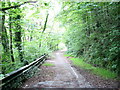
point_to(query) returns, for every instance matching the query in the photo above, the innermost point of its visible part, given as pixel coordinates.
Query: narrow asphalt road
(63, 75)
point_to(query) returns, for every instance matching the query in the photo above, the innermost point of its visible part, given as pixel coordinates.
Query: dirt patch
(45, 73)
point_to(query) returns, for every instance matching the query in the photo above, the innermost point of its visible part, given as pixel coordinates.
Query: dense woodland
(24, 34)
(91, 32)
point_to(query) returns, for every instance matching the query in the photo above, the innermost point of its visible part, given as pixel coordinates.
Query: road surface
(60, 75)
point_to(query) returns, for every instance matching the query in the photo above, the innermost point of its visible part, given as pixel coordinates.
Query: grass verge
(48, 64)
(96, 70)
(67, 55)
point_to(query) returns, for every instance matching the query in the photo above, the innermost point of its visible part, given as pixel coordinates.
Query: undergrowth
(96, 70)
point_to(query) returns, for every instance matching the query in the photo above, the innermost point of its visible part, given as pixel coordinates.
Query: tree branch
(6, 8)
(45, 23)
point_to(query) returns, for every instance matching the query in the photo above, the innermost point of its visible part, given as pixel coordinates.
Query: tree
(23, 32)
(16, 6)
(10, 31)
(18, 33)
(4, 37)
(93, 28)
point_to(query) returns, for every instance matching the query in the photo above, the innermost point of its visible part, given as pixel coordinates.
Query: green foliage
(1, 76)
(92, 31)
(48, 64)
(28, 41)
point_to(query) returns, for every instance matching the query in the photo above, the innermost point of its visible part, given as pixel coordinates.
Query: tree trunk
(4, 37)
(44, 28)
(18, 35)
(19, 42)
(10, 31)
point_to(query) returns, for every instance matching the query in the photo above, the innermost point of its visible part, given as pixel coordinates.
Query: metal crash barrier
(16, 78)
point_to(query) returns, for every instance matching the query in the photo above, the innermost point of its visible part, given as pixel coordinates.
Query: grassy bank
(48, 64)
(96, 70)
